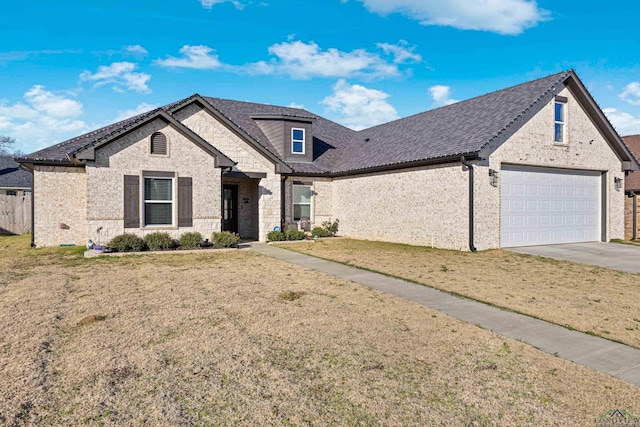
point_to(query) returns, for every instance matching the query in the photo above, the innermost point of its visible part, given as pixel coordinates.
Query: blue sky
(69, 67)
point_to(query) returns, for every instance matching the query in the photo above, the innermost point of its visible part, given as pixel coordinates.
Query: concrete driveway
(610, 255)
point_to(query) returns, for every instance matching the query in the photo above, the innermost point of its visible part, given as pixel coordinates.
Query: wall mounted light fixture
(618, 183)
(493, 177)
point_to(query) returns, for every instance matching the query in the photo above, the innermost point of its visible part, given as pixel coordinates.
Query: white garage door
(546, 206)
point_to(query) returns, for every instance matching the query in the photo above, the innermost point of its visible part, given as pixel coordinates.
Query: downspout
(283, 205)
(472, 248)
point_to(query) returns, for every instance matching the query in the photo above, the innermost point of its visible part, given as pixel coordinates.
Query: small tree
(6, 145)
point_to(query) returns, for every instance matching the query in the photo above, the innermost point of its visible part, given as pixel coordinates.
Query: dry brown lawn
(235, 338)
(590, 299)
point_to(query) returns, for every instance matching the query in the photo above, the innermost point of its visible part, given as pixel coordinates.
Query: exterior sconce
(493, 177)
(618, 183)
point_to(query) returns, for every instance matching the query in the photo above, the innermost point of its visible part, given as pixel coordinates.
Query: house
(632, 190)
(537, 163)
(13, 180)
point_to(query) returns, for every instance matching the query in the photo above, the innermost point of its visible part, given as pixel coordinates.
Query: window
(158, 201)
(297, 141)
(559, 120)
(159, 144)
(301, 202)
(12, 193)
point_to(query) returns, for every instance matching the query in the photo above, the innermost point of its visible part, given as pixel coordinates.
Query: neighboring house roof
(11, 176)
(632, 182)
(472, 128)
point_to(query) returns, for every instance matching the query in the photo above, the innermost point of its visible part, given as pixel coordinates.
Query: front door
(230, 208)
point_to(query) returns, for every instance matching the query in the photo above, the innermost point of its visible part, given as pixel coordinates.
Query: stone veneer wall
(248, 159)
(533, 145)
(421, 206)
(130, 155)
(60, 195)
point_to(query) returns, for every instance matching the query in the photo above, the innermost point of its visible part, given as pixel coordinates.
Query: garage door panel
(546, 206)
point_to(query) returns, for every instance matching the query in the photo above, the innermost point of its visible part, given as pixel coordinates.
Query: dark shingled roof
(463, 128)
(11, 176)
(632, 182)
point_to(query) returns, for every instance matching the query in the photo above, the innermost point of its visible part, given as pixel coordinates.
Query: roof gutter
(469, 166)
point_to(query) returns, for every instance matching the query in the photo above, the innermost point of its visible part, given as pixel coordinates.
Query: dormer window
(559, 120)
(297, 141)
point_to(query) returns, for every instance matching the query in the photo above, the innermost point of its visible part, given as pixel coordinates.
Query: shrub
(224, 239)
(319, 232)
(126, 242)
(331, 227)
(294, 235)
(159, 240)
(192, 239)
(276, 236)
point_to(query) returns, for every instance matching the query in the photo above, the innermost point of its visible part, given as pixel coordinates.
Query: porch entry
(230, 208)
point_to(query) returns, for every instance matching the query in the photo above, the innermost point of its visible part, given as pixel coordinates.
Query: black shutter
(185, 202)
(131, 201)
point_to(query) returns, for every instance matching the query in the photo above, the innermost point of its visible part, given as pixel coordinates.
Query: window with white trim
(301, 202)
(559, 122)
(158, 201)
(297, 141)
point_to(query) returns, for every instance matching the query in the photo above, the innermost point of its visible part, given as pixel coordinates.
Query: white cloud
(44, 101)
(623, 122)
(43, 119)
(631, 93)
(402, 53)
(198, 57)
(120, 76)
(208, 4)
(441, 95)
(359, 107)
(303, 61)
(295, 105)
(498, 16)
(136, 49)
(141, 108)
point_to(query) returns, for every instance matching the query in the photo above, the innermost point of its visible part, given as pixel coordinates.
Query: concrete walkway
(609, 255)
(615, 359)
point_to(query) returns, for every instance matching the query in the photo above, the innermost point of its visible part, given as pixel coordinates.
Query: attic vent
(159, 143)
(367, 140)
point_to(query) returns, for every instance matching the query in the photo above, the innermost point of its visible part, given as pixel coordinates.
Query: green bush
(295, 235)
(331, 227)
(159, 240)
(319, 232)
(126, 242)
(276, 236)
(224, 239)
(192, 239)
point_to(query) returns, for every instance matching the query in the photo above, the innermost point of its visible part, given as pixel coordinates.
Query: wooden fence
(15, 214)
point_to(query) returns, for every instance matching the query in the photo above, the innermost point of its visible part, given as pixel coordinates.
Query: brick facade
(421, 205)
(628, 217)
(130, 155)
(248, 159)
(60, 205)
(533, 145)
